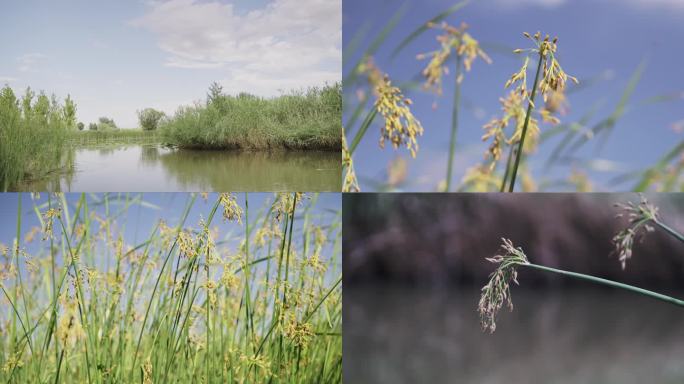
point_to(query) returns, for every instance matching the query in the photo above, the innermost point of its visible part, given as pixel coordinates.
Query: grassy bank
(123, 136)
(299, 120)
(33, 131)
(229, 291)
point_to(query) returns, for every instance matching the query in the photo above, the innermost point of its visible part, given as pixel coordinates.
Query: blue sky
(115, 57)
(137, 223)
(602, 39)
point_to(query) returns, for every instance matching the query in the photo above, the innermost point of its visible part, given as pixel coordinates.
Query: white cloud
(667, 4)
(29, 61)
(287, 43)
(7, 79)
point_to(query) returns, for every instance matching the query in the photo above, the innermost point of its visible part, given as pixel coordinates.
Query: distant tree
(80, 126)
(69, 112)
(106, 124)
(92, 127)
(149, 118)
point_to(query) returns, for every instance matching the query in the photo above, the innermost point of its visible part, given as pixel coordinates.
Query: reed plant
(530, 118)
(258, 303)
(299, 120)
(33, 132)
(642, 217)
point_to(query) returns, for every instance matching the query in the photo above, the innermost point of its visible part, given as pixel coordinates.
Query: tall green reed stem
(530, 107)
(454, 121)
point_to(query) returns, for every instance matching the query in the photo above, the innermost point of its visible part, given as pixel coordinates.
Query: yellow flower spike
(401, 127)
(231, 209)
(350, 184)
(453, 40)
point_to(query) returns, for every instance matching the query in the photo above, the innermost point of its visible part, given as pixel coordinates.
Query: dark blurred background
(414, 265)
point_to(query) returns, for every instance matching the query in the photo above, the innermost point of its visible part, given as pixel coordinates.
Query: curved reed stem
(610, 283)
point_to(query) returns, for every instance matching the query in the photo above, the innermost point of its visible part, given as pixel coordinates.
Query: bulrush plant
(454, 41)
(519, 105)
(642, 216)
(247, 295)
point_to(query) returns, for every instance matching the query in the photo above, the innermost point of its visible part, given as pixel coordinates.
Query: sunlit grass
(259, 303)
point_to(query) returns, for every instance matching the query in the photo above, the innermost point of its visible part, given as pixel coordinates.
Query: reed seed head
(453, 40)
(401, 127)
(350, 184)
(231, 209)
(640, 216)
(497, 292)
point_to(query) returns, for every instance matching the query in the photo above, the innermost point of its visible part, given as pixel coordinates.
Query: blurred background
(631, 90)
(414, 265)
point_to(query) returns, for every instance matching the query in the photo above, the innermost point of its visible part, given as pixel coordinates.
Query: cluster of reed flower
(454, 40)
(641, 216)
(497, 291)
(255, 298)
(550, 80)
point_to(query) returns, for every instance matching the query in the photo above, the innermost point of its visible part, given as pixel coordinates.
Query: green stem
(669, 230)
(508, 169)
(610, 283)
(362, 131)
(454, 121)
(530, 106)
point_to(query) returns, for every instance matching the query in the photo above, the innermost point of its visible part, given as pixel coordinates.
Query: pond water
(144, 168)
(397, 335)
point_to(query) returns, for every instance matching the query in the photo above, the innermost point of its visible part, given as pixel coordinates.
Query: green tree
(149, 118)
(106, 124)
(92, 127)
(80, 126)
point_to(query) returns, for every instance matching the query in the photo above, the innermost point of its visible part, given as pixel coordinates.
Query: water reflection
(592, 336)
(155, 168)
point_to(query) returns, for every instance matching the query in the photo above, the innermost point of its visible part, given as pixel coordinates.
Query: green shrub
(149, 119)
(80, 126)
(300, 120)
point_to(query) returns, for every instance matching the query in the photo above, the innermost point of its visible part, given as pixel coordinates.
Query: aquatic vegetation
(300, 120)
(33, 132)
(466, 49)
(252, 297)
(535, 115)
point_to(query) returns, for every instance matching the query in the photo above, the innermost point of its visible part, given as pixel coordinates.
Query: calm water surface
(589, 336)
(154, 168)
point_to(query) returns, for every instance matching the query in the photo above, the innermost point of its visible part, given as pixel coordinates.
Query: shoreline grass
(300, 120)
(183, 303)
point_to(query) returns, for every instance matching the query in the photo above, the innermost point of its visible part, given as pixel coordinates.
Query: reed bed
(123, 136)
(33, 132)
(300, 120)
(245, 294)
